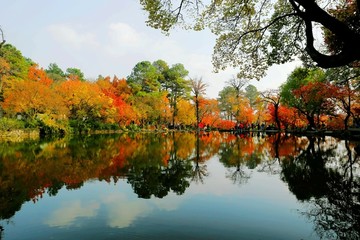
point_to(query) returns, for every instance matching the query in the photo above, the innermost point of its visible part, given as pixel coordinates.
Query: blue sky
(109, 37)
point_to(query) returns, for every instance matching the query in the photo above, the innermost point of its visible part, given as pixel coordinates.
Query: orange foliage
(86, 100)
(33, 96)
(119, 91)
(225, 124)
(209, 112)
(39, 75)
(186, 113)
(288, 117)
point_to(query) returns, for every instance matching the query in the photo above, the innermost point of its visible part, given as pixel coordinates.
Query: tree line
(157, 96)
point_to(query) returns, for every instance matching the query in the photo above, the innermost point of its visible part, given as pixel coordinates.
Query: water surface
(180, 186)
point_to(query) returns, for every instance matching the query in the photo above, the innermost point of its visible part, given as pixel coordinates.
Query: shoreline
(18, 135)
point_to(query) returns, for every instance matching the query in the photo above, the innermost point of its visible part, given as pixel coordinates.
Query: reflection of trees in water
(152, 176)
(234, 156)
(239, 176)
(270, 166)
(328, 179)
(316, 171)
(280, 146)
(199, 169)
(158, 181)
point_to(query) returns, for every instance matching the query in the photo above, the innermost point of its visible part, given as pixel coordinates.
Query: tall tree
(162, 68)
(144, 78)
(252, 94)
(253, 35)
(226, 101)
(273, 97)
(198, 88)
(237, 84)
(177, 86)
(86, 102)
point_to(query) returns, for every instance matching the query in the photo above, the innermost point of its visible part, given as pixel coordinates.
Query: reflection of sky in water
(68, 212)
(262, 208)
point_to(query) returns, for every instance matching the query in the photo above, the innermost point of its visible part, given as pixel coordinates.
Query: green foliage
(19, 65)
(252, 94)
(55, 72)
(7, 124)
(75, 72)
(226, 101)
(253, 35)
(162, 67)
(133, 127)
(159, 18)
(50, 126)
(144, 77)
(298, 78)
(81, 126)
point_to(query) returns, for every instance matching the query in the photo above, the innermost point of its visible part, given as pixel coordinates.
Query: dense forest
(156, 96)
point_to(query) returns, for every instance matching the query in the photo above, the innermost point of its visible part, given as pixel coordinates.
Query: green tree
(75, 73)
(177, 86)
(150, 107)
(226, 101)
(162, 68)
(298, 78)
(253, 35)
(144, 77)
(252, 94)
(19, 65)
(56, 73)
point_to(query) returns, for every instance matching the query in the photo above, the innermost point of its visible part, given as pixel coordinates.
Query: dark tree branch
(313, 13)
(2, 38)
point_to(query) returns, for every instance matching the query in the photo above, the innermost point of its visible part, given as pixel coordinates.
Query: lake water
(180, 186)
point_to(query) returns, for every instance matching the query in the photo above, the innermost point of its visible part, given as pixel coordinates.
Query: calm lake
(180, 186)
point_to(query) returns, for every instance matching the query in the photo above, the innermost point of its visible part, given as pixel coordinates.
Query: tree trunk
(276, 106)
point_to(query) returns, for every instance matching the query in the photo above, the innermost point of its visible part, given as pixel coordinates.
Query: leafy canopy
(253, 35)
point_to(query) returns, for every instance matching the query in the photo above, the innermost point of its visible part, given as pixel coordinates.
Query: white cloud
(67, 214)
(70, 36)
(169, 203)
(123, 34)
(123, 211)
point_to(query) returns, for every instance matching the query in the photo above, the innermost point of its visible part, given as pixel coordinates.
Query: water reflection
(326, 175)
(323, 173)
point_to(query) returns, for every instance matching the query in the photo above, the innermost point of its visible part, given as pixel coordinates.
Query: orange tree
(119, 92)
(314, 100)
(35, 99)
(88, 105)
(209, 112)
(186, 113)
(272, 97)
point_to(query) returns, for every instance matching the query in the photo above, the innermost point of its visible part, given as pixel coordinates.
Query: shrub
(7, 124)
